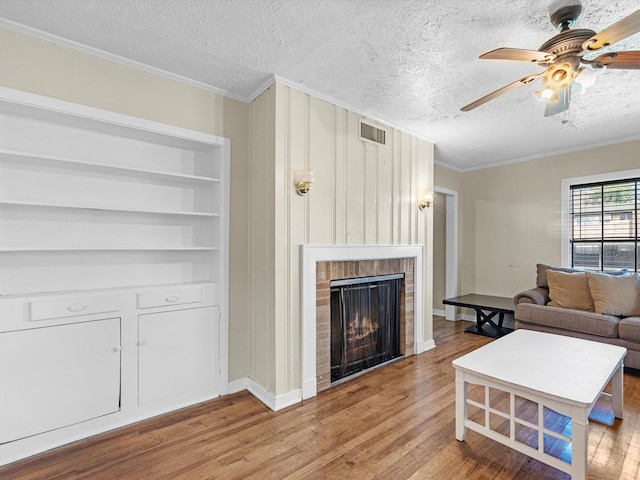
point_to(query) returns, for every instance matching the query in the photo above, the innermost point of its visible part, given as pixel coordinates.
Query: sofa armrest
(538, 296)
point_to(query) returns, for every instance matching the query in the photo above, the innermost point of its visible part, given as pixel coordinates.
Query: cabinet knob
(117, 348)
(172, 298)
(141, 343)
(76, 308)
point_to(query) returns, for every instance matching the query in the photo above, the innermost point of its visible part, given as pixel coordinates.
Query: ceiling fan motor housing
(567, 44)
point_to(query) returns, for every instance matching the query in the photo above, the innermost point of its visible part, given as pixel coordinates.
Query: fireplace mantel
(310, 256)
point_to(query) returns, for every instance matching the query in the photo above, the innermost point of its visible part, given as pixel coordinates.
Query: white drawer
(162, 298)
(73, 306)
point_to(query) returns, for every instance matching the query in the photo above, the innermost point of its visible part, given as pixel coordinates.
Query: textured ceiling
(412, 63)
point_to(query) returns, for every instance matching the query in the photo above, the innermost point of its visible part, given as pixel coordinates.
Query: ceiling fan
(563, 57)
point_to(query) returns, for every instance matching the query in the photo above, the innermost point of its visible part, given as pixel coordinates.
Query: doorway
(445, 251)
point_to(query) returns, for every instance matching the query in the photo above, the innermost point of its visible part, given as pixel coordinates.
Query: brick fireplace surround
(339, 270)
(322, 263)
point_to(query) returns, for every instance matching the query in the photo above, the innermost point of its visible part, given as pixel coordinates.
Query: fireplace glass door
(365, 323)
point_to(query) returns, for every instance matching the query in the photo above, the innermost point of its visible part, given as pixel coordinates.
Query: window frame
(565, 194)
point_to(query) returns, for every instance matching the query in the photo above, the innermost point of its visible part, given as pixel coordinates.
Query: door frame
(451, 241)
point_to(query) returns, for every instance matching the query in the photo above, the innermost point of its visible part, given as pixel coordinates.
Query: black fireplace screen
(365, 323)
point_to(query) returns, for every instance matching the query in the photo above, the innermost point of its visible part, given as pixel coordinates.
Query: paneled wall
(363, 194)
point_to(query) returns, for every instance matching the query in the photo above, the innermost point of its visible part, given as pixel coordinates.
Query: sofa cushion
(542, 269)
(615, 295)
(566, 319)
(569, 290)
(629, 329)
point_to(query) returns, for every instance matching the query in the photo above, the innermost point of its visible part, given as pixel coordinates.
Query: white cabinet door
(52, 377)
(178, 353)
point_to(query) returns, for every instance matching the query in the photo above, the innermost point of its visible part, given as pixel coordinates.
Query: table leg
(486, 317)
(461, 406)
(617, 391)
(579, 444)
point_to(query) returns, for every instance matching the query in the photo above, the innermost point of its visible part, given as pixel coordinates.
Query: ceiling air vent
(369, 133)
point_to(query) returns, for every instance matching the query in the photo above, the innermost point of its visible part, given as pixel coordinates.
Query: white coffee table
(564, 374)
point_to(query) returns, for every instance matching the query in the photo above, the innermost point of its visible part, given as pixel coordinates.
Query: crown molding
(351, 108)
(272, 79)
(578, 148)
(48, 37)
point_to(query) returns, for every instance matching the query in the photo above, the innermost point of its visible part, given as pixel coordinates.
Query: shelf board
(106, 249)
(20, 203)
(17, 156)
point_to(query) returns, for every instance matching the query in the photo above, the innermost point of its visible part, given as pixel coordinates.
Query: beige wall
(36, 66)
(510, 215)
(363, 194)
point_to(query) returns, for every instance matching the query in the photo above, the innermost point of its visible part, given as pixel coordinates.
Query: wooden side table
(486, 308)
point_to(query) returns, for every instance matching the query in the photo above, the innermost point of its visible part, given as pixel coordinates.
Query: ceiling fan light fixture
(547, 95)
(558, 76)
(585, 78)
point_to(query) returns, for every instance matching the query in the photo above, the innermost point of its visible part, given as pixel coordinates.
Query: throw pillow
(542, 269)
(569, 290)
(615, 295)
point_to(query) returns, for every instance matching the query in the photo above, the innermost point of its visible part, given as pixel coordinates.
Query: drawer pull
(168, 297)
(76, 308)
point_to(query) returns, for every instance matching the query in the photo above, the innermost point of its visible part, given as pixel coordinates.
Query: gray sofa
(536, 310)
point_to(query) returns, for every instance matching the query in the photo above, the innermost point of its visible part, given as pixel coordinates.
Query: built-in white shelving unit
(115, 223)
(103, 189)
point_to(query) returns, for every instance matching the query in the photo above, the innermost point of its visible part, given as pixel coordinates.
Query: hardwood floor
(396, 422)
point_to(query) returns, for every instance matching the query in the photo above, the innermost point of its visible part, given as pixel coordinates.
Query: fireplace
(331, 272)
(322, 264)
(365, 323)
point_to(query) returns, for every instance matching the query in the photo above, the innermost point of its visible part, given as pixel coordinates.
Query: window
(603, 224)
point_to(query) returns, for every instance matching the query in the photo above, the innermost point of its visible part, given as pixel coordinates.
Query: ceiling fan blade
(616, 32)
(618, 60)
(501, 91)
(564, 96)
(518, 54)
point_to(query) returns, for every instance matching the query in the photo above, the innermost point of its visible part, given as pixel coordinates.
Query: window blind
(604, 225)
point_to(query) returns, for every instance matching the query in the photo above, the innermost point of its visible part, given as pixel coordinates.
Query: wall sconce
(303, 181)
(426, 201)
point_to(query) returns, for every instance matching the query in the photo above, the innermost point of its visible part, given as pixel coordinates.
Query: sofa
(600, 306)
